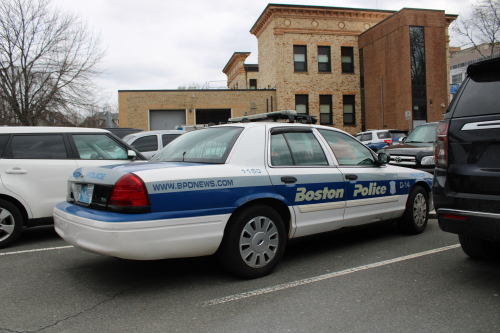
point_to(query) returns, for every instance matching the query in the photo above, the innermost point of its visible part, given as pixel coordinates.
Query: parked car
(467, 178)
(149, 143)
(35, 165)
(416, 151)
(378, 139)
(239, 190)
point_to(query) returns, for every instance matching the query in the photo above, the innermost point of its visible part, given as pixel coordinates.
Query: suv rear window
(384, 135)
(480, 96)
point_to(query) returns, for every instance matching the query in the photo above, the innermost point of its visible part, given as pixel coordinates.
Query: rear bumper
(143, 240)
(470, 223)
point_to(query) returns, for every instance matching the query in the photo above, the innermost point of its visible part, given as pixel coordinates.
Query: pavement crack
(76, 314)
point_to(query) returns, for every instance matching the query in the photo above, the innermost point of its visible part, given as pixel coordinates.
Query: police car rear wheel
(11, 223)
(253, 243)
(416, 215)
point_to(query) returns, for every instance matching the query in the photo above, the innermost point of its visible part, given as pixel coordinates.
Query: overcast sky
(162, 44)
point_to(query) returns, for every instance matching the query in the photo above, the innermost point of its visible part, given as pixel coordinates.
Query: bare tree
(481, 27)
(47, 61)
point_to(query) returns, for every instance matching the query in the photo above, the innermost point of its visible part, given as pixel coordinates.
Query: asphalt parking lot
(372, 280)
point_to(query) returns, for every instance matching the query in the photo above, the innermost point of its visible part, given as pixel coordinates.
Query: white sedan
(241, 191)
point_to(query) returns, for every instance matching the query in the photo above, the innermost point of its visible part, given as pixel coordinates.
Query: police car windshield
(211, 145)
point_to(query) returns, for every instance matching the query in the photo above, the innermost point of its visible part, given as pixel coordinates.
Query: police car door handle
(351, 177)
(288, 180)
(16, 171)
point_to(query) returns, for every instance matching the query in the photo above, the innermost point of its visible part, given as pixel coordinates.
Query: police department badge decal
(393, 187)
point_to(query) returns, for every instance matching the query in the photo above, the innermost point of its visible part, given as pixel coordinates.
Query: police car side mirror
(403, 139)
(131, 155)
(383, 158)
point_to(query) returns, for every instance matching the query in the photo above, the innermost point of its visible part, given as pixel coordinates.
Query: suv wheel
(479, 248)
(253, 243)
(11, 223)
(414, 219)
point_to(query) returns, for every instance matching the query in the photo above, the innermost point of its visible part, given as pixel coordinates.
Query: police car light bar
(290, 115)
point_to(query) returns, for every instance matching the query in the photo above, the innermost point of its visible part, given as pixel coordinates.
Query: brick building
(309, 61)
(406, 68)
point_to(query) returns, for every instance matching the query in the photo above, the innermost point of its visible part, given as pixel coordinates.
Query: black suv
(466, 187)
(417, 150)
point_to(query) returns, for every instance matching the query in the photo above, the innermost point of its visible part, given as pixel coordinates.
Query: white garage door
(166, 119)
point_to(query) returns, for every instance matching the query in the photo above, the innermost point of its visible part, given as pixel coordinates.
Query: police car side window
(305, 149)
(38, 147)
(347, 150)
(280, 153)
(296, 149)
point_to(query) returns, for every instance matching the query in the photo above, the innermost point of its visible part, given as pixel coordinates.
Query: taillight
(455, 217)
(389, 142)
(441, 144)
(129, 191)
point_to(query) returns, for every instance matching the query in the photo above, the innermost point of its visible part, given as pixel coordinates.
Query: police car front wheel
(416, 215)
(11, 223)
(253, 243)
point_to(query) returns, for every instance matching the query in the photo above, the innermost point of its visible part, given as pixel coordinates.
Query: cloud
(161, 44)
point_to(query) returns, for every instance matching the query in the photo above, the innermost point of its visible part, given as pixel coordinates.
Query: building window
(325, 109)
(347, 59)
(456, 79)
(418, 76)
(300, 58)
(349, 110)
(302, 104)
(324, 64)
(253, 83)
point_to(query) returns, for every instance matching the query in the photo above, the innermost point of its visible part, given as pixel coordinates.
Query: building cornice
(317, 12)
(282, 31)
(234, 59)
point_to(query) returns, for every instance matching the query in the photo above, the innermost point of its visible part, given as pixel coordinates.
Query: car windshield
(211, 145)
(421, 134)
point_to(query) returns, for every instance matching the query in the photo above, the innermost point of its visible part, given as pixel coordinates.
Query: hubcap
(259, 242)
(7, 224)
(419, 210)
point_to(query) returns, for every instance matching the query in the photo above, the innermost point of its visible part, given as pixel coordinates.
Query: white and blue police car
(240, 190)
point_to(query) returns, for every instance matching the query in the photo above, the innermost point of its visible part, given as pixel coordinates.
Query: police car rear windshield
(211, 145)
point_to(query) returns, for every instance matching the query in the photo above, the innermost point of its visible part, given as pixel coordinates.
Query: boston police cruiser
(240, 190)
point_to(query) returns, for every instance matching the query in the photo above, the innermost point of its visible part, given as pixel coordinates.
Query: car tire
(479, 248)
(253, 243)
(416, 215)
(11, 223)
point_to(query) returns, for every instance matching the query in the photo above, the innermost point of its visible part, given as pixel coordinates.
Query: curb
(433, 215)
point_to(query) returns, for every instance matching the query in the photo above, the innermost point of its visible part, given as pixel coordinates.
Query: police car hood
(108, 175)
